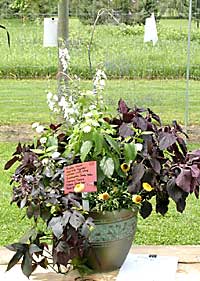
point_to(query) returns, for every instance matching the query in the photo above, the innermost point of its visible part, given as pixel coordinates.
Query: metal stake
(63, 41)
(188, 68)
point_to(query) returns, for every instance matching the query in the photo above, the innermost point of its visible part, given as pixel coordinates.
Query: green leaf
(100, 174)
(52, 141)
(38, 151)
(117, 166)
(107, 166)
(130, 152)
(30, 234)
(52, 148)
(85, 149)
(112, 143)
(99, 141)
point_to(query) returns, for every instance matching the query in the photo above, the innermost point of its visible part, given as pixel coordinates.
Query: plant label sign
(148, 268)
(81, 173)
(50, 38)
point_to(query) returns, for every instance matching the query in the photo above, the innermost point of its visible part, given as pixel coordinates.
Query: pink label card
(81, 173)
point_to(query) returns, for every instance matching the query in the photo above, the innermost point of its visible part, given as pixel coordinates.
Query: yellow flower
(115, 189)
(91, 228)
(125, 167)
(104, 196)
(79, 187)
(147, 186)
(137, 199)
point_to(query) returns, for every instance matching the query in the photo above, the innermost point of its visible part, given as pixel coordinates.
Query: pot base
(111, 239)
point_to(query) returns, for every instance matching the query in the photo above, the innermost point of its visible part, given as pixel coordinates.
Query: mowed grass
(119, 49)
(12, 225)
(24, 101)
(174, 228)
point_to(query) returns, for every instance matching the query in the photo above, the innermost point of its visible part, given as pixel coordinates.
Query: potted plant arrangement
(132, 159)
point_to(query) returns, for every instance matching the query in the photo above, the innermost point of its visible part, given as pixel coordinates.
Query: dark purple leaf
(56, 225)
(174, 191)
(23, 202)
(44, 213)
(155, 165)
(182, 145)
(140, 123)
(179, 156)
(127, 117)
(194, 153)
(139, 109)
(44, 263)
(76, 220)
(65, 201)
(62, 258)
(162, 202)
(15, 259)
(137, 171)
(34, 266)
(55, 127)
(85, 230)
(183, 180)
(196, 192)
(134, 187)
(146, 209)
(26, 265)
(195, 171)
(18, 149)
(154, 116)
(125, 131)
(11, 162)
(122, 107)
(114, 121)
(74, 200)
(178, 128)
(34, 249)
(62, 247)
(17, 247)
(180, 205)
(149, 176)
(166, 139)
(66, 217)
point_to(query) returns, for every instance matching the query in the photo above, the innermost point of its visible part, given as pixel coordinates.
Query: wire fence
(147, 75)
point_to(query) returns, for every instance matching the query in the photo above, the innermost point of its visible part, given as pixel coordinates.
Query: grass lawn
(11, 223)
(24, 101)
(120, 49)
(174, 228)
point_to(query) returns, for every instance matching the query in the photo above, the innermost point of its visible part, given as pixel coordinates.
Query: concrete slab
(188, 266)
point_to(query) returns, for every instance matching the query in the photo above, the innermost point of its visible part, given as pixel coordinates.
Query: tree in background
(32, 9)
(126, 11)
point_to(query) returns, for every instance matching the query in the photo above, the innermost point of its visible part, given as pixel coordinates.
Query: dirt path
(24, 133)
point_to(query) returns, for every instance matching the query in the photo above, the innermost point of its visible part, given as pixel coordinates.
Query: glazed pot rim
(113, 215)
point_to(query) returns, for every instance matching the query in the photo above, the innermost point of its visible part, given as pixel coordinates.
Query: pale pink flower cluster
(99, 80)
(64, 58)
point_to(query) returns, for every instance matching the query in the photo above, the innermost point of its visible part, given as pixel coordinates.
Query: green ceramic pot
(111, 239)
